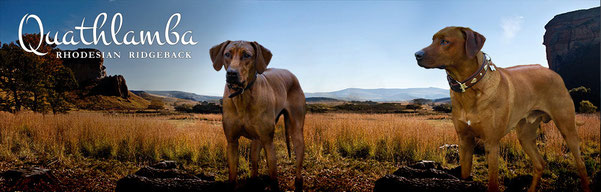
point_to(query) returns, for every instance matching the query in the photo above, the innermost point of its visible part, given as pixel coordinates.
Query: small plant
(156, 105)
(587, 107)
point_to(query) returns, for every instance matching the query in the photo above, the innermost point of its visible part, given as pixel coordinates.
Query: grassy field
(344, 152)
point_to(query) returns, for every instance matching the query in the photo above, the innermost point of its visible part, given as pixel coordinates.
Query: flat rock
(168, 176)
(30, 179)
(426, 176)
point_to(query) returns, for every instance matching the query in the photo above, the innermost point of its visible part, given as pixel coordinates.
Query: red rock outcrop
(91, 75)
(572, 41)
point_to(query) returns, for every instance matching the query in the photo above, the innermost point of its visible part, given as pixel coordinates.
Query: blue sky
(329, 45)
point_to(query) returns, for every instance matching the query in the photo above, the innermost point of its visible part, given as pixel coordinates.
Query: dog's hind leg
(526, 132)
(565, 121)
(295, 120)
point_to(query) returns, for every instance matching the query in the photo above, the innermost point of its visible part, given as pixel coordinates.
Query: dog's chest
(471, 116)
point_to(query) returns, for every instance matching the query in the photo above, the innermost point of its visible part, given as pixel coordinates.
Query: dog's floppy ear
(262, 58)
(473, 42)
(217, 55)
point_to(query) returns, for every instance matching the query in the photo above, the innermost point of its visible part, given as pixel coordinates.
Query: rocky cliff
(85, 70)
(91, 75)
(572, 41)
(112, 86)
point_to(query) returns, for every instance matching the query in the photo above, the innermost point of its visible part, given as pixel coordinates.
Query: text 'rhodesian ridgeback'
(253, 100)
(488, 102)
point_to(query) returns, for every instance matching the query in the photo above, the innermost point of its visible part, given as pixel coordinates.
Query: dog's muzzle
(419, 55)
(232, 77)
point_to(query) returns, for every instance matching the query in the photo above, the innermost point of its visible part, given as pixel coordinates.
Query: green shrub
(587, 107)
(185, 154)
(123, 151)
(381, 152)
(361, 150)
(317, 108)
(104, 151)
(404, 151)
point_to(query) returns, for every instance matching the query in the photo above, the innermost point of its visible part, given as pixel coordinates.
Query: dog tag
(462, 86)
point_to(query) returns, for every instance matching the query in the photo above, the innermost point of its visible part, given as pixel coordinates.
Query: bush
(587, 107)
(156, 105)
(444, 108)
(415, 107)
(187, 108)
(317, 108)
(579, 94)
(206, 107)
(421, 101)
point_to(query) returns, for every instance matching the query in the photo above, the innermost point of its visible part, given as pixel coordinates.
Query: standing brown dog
(253, 100)
(489, 102)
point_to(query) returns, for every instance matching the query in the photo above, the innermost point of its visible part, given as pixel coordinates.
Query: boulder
(572, 45)
(30, 179)
(426, 176)
(169, 176)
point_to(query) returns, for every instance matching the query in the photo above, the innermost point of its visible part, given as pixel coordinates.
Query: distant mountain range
(350, 94)
(383, 95)
(179, 95)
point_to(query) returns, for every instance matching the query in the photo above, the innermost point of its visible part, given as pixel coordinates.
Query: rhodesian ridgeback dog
(489, 101)
(253, 100)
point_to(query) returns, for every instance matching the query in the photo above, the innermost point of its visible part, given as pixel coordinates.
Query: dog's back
(541, 82)
(284, 82)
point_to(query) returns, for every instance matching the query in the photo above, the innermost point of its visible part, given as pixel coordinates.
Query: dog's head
(242, 60)
(449, 45)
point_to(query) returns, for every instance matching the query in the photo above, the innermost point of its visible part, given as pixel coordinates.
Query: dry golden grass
(366, 146)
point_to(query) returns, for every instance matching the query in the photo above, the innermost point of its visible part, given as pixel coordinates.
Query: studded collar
(461, 86)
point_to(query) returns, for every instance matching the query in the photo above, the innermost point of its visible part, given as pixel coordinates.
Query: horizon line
(303, 91)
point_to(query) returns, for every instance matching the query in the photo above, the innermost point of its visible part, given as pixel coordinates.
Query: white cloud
(511, 26)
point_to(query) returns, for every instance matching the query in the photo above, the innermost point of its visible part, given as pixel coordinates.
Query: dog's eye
(227, 54)
(444, 42)
(246, 55)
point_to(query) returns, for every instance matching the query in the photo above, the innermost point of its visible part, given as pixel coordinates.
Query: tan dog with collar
(253, 100)
(489, 102)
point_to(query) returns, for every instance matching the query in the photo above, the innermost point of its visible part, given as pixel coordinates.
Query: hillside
(383, 95)
(321, 100)
(170, 102)
(180, 95)
(102, 102)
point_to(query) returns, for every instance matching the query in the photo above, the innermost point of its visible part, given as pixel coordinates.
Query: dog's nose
(419, 55)
(231, 75)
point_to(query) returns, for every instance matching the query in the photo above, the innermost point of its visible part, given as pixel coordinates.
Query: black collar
(240, 91)
(461, 86)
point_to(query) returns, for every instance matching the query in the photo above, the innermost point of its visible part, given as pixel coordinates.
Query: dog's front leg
(492, 157)
(255, 151)
(271, 162)
(232, 159)
(466, 154)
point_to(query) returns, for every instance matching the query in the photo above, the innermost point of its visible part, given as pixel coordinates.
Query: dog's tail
(287, 135)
